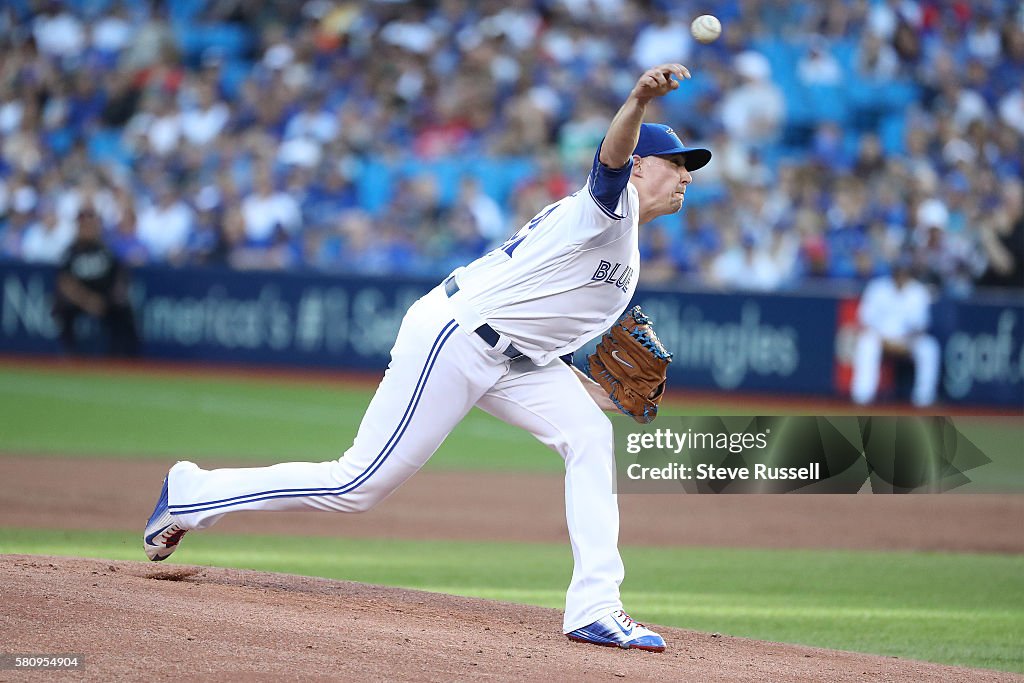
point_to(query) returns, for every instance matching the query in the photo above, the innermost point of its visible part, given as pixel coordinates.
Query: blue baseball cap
(657, 139)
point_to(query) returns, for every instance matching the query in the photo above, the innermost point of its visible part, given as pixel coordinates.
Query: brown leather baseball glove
(631, 364)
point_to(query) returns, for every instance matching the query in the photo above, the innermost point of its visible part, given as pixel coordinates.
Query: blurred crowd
(846, 134)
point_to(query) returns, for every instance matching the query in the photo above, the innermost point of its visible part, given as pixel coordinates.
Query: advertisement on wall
(778, 344)
(982, 351)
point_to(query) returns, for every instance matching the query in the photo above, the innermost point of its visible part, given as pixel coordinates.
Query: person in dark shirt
(91, 281)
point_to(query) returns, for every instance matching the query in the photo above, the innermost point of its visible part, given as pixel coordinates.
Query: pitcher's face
(664, 183)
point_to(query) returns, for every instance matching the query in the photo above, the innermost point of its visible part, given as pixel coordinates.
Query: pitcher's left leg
(551, 404)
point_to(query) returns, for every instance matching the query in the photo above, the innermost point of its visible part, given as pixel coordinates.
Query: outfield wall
(793, 344)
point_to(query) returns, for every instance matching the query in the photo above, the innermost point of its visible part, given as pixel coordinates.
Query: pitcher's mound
(138, 620)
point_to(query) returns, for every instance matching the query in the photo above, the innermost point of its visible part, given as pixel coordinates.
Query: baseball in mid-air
(706, 28)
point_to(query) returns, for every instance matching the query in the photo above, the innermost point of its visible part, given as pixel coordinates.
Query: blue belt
(485, 331)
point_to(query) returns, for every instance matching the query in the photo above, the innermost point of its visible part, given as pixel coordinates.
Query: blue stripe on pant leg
(387, 449)
(369, 472)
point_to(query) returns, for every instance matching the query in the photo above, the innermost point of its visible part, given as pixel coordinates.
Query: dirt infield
(138, 621)
(119, 493)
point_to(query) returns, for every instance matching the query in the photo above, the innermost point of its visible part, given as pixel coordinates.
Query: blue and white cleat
(163, 532)
(619, 630)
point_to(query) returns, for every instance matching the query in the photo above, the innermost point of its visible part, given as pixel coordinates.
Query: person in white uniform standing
(894, 314)
(492, 335)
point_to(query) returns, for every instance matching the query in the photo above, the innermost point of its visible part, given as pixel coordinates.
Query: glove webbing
(643, 336)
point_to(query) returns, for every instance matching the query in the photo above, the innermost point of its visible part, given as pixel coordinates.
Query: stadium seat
(892, 130)
(184, 10)
(233, 74)
(826, 103)
(232, 41)
(86, 8)
(105, 146)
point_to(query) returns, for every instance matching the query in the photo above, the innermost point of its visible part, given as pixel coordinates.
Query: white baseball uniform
(490, 336)
(895, 314)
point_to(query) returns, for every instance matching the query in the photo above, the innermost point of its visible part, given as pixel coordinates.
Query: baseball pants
(438, 372)
(867, 363)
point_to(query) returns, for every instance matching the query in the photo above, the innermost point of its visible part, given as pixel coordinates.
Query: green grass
(256, 420)
(265, 420)
(958, 609)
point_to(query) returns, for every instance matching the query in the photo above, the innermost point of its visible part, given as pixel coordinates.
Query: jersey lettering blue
(613, 273)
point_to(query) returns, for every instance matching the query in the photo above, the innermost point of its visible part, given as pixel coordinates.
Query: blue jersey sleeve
(606, 184)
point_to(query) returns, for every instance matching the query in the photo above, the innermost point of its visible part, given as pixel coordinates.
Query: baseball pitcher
(491, 335)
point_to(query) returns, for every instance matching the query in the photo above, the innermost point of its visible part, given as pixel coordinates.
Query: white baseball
(706, 28)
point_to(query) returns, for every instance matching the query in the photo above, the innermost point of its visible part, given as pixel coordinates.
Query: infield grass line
(262, 420)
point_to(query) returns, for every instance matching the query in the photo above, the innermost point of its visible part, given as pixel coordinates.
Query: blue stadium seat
(778, 53)
(105, 146)
(892, 130)
(845, 52)
(184, 10)
(230, 40)
(87, 8)
(826, 103)
(900, 94)
(233, 74)
(851, 143)
(59, 140)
